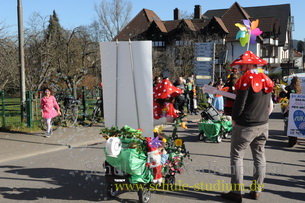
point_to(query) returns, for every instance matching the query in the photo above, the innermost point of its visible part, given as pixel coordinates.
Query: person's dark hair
(162, 101)
(295, 82)
(232, 80)
(219, 82)
(47, 88)
(156, 78)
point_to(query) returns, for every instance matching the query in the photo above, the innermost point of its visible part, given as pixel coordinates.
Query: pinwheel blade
(240, 34)
(256, 32)
(254, 24)
(240, 26)
(247, 23)
(253, 39)
(245, 40)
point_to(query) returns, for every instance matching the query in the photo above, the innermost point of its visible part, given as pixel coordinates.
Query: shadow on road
(63, 184)
(60, 184)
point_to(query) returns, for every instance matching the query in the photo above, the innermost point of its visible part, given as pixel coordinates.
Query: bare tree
(8, 60)
(113, 16)
(78, 57)
(186, 15)
(39, 55)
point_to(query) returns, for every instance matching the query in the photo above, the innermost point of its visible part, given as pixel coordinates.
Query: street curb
(55, 149)
(30, 154)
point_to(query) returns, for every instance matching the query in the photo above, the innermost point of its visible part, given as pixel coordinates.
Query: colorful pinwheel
(248, 32)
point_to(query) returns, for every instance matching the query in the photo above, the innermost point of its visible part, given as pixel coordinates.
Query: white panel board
(130, 102)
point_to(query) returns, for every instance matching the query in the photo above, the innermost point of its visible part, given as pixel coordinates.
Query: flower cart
(141, 163)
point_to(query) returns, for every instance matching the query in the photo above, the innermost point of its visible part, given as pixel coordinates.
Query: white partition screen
(127, 84)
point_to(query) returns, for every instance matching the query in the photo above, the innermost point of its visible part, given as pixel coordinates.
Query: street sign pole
(21, 60)
(204, 63)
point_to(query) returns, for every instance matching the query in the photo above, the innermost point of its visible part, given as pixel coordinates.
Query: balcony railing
(271, 59)
(285, 60)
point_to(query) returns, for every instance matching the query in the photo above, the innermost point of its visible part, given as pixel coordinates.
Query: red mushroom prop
(165, 90)
(253, 77)
(249, 58)
(162, 94)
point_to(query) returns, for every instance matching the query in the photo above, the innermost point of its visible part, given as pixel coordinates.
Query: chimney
(176, 14)
(197, 12)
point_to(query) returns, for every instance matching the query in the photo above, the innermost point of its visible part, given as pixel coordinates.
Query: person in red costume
(164, 111)
(250, 115)
(163, 108)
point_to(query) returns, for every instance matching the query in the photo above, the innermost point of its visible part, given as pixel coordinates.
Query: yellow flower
(106, 136)
(164, 140)
(158, 129)
(183, 125)
(178, 142)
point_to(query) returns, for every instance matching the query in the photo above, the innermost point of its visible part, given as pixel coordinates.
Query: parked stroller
(213, 126)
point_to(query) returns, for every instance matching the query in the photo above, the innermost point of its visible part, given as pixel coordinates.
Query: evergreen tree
(54, 31)
(300, 46)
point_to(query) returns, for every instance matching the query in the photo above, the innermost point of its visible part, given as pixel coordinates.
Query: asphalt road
(76, 174)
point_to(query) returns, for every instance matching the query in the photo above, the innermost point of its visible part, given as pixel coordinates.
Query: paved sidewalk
(14, 145)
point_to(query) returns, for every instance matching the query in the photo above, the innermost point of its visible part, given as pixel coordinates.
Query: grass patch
(21, 128)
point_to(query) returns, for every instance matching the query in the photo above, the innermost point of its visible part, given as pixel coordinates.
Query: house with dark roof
(276, 22)
(273, 45)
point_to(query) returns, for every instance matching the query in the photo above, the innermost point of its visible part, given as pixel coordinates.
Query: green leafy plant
(133, 138)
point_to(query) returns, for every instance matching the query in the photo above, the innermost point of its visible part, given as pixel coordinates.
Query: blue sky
(73, 13)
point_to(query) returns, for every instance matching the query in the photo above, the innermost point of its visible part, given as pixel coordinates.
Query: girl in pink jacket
(48, 104)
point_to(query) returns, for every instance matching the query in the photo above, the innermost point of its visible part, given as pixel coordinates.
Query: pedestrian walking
(218, 101)
(49, 109)
(180, 100)
(250, 117)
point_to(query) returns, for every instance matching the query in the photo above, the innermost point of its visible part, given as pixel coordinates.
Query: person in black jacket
(180, 100)
(250, 116)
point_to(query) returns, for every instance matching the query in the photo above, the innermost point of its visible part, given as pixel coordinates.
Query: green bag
(129, 161)
(211, 130)
(145, 177)
(132, 162)
(227, 125)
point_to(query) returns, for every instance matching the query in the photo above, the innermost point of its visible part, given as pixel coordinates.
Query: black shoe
(232, 196)
(254, 195)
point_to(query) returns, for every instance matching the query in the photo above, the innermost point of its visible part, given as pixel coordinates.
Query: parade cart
(136, 155)
(132, 166)
(213, 126)
(214, 130)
